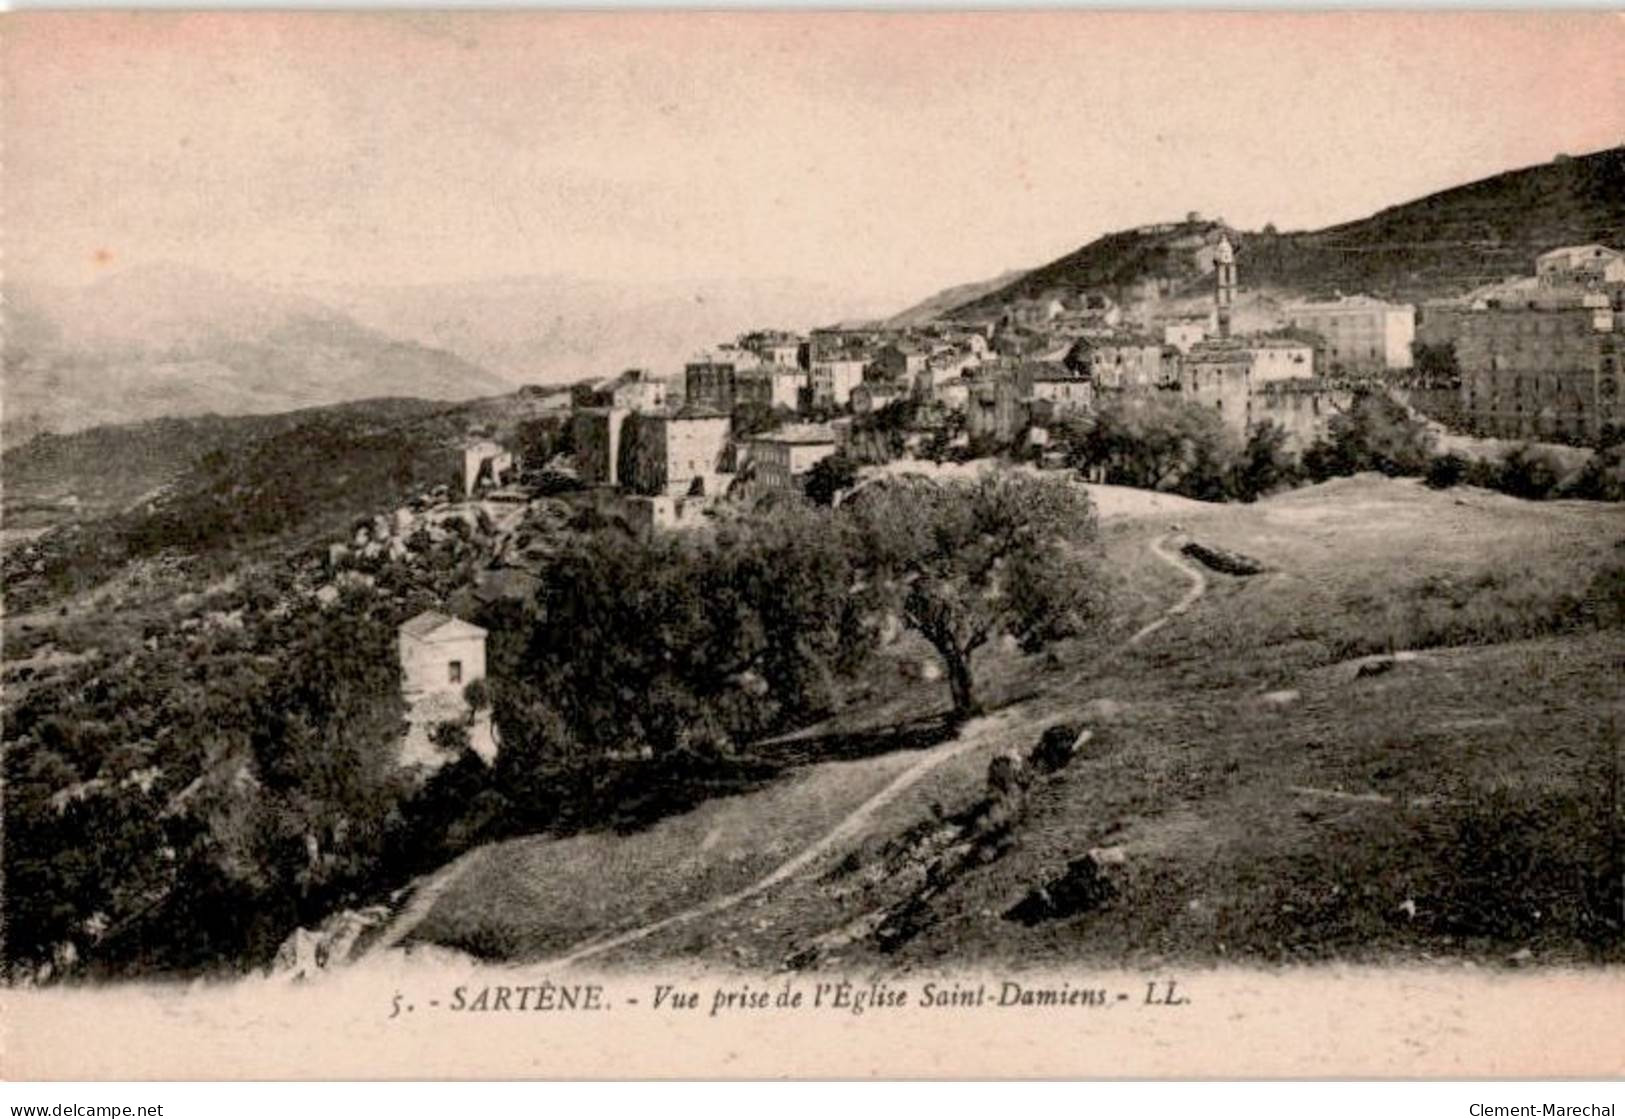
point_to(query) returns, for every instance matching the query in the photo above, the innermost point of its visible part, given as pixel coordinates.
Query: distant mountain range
(1439, 245)
(162, 341)
(552, 329)
(159, 341)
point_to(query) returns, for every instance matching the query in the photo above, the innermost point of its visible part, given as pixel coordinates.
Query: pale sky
(893, 153)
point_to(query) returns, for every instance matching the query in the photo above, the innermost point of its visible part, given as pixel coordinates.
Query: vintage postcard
(813, 544)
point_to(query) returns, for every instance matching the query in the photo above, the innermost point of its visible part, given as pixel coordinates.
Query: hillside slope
(104, 469)
(1455, 239)
(935, 306)
(1262, 784)
(1438, 245)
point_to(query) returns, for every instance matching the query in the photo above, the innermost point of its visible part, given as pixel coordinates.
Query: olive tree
(962, 564)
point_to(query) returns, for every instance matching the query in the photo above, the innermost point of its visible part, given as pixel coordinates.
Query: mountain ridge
(162, 341)
(1440, 244)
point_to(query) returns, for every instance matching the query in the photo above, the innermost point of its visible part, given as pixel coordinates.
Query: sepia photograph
(791, 544)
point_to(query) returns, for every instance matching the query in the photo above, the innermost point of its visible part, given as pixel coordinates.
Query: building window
(454, 672)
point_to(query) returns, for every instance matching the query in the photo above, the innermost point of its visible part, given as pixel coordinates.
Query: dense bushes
(184, 806)
(1177, 447)
(1152, 443)
(1374, 434)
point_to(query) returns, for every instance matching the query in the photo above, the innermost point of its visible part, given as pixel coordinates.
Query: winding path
(421, 900)
(424, 898)
(1196, 590)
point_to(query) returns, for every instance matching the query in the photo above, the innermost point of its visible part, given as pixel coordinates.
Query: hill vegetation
(105, 469)
(216, 490)
(1330, 760)
(1439, 245)
(182, 801)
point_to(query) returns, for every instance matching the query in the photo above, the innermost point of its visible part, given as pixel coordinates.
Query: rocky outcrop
(1218, 559)
(1084, 887)
(336, 941)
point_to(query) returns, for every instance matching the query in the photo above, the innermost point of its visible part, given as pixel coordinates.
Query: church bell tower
(1224, 284)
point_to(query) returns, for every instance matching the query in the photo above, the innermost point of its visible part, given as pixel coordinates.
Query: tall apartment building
(1543, 368)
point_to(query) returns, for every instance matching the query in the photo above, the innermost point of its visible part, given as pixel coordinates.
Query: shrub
(1602, 478)
(1529, 473)
(1154, 444)
(1445, 471)
(1265, 464)
(1376, 433)
(829, 476)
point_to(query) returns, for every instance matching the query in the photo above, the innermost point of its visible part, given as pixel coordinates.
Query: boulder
(296, 957)
(1382, 664)
(1081, 889)
(306, 952)
(1056, 748)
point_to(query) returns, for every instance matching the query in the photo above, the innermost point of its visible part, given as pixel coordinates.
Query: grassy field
(1257, 788)
(569, 889)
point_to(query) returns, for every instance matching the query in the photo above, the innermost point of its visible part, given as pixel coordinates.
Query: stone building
(997, 410)
(872, 396)
(830, 381)
(772, 385)
(900, 360)
(597, 436)
(663, 512)
(636, 390)
(1545, 368)
(774, 347)
(1058, 392)
(950, 367)
(675, 454)
(1183, 333)
(1251, 380)
(440, 655)
(999, 402)
(711, 379)
(1361, 335)
(1302, 408)
(1580, 266)
(779, 459)
(485, 462)
(1122, 361)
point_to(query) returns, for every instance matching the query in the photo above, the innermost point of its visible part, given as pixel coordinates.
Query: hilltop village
(1532, 358)
(1528, 359)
